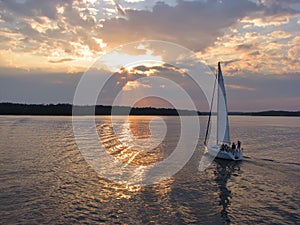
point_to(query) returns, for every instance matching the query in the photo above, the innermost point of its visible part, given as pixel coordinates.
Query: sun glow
(116, 60)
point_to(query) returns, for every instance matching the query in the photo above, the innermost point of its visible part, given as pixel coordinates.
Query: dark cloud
(61, 60)
(142, 68)
(193, 24)
(254, 53)
(72, 17)
(244, 47)
(279, 7)
(34, 8)
(230, 61)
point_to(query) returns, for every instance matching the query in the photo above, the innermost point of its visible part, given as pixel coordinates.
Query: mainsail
(223, 135)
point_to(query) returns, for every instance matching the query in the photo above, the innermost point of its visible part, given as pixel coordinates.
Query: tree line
(67, 110)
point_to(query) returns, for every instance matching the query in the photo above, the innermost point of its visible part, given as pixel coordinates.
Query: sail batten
(223, 134)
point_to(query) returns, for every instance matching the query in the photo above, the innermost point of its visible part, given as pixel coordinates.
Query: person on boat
(233, 146)
(239, 144)
(222, 147)
(227, 148)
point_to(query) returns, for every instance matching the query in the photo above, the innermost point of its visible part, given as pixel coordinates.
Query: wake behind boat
(222, 147)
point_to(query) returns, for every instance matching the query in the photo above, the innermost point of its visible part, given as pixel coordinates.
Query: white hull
(215, 151)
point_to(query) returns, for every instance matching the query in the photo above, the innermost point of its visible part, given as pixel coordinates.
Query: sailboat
(220, 147)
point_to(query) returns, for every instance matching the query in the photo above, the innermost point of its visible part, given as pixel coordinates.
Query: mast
(218, 91)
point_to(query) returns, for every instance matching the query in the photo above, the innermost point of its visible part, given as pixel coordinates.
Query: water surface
(45, 179)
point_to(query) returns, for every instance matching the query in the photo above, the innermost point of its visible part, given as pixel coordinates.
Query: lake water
(45, 178)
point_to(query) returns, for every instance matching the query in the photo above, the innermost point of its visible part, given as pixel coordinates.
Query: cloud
(193, 24)
(225, 63)
(274, 13)
(60, 60)
(240, 87)
(268, 52)
(34, 8)
(294, 50)
(38, 25)
(131, 85)
(243, 47)
(261, 21)
(279, 7)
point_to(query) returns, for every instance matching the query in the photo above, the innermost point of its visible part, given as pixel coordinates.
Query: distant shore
(66, 110)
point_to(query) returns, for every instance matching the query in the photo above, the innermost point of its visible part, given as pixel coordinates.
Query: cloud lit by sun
(131, 85)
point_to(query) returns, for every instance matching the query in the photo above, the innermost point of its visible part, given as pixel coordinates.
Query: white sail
(223, 135)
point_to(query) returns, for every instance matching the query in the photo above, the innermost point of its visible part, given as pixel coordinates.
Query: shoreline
(17, 109)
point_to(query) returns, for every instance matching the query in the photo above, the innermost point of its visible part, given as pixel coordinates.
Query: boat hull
(215, 151)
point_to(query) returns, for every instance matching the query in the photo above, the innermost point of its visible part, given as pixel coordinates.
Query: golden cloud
(131, 85)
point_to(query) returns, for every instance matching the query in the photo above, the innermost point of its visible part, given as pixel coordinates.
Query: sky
(47, 46)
